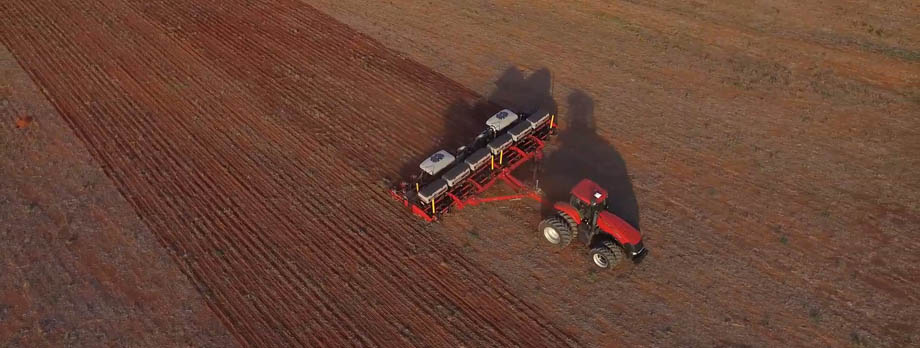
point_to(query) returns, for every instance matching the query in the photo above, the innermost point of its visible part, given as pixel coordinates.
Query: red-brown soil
(771, 147)
(251, 139)
(77, 266)
(767, 151)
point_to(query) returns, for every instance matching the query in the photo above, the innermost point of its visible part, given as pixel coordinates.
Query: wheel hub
(551, 235)
(601, 261)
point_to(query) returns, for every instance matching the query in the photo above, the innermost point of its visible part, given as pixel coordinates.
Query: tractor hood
(619, 229)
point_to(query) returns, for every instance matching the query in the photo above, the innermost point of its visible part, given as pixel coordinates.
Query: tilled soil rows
(251, 136)
(78, 268)
(771, 154)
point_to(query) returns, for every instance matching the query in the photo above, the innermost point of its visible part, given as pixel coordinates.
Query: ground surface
(771, 147)
(766, 150)
(77, 266)
(251, 138)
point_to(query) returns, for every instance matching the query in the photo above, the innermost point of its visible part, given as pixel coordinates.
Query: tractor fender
(568, 209)
(620, 230)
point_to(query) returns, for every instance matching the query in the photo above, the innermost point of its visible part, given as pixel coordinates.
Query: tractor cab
(588, 197)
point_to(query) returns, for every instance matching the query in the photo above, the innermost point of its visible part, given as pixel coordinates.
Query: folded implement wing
(447, 180)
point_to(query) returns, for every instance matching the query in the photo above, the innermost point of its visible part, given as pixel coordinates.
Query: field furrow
(265, 187)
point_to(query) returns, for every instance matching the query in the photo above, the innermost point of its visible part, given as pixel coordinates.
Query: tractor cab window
(578, 204)
(602, 205)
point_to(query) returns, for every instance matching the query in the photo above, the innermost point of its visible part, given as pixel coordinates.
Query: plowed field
(77, 266)
(251, 137)
(766, 149)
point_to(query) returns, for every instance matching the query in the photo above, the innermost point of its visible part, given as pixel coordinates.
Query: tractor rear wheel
(607, 255)
(573, 225)
(556, 230)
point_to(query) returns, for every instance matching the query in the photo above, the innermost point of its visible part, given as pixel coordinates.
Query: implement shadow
(463, 121)
(582, 153)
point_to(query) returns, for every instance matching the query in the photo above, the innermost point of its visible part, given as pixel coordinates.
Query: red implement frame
(525, 192)
(511, 181)
(497, 172)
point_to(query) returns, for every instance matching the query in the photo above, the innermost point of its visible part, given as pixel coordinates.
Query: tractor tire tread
(562, 228)
(613, 252)
(573, 225)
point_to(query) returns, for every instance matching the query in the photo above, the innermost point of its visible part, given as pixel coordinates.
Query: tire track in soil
(197, 199)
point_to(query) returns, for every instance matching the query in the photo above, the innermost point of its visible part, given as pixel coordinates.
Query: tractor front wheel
(556, 231)
(607, 255)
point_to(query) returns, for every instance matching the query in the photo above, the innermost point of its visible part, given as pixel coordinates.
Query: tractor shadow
(464, 120)
(582, 153)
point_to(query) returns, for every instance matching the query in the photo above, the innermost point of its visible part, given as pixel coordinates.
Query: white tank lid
(501, 120)
(435, 163)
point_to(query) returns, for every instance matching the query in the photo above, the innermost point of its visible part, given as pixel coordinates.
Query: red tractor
(585, 217)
